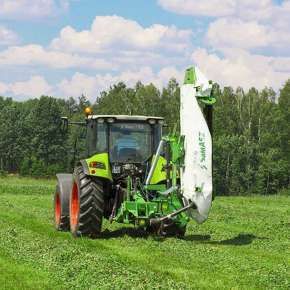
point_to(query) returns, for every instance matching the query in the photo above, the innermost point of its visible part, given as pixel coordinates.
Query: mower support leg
(160, 220)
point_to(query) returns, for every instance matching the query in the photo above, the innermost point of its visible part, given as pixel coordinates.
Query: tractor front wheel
(86, 205)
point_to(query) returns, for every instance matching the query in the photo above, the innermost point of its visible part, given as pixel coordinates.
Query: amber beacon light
(88, 111)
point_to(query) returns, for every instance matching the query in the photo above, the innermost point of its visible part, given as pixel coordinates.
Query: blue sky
(72, 47)
(82, 13)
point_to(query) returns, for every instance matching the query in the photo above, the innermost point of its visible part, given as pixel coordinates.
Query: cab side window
(91, 137)
(102, 141)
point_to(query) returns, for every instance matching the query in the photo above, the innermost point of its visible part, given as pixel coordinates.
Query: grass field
(245, 244)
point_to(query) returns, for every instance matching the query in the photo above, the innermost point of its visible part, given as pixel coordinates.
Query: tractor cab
(123, 142)
(127, 139)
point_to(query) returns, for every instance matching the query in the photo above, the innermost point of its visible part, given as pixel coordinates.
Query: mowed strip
(243, 245)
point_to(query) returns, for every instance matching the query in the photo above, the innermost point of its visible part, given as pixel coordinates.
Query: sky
(72, 47)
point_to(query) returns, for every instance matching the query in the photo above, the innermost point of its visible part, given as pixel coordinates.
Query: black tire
(61, 209)
(86, 205)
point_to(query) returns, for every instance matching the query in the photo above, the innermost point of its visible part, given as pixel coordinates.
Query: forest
(251, 133)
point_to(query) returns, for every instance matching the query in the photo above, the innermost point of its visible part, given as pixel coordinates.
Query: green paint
(190, 77)
(102, 158)
(155, 187)
(136, 210)
(139, 212)
(208, 100)
(159, 173)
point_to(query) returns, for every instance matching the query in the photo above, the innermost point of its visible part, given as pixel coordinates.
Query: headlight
(151, 121)
(101, 120)
(110, 120)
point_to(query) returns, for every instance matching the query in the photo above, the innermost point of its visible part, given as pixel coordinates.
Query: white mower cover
(196, 175)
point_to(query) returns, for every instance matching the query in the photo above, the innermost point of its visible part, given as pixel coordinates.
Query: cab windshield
(130, 142)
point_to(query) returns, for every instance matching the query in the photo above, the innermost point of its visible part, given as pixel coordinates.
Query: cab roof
(126, 117)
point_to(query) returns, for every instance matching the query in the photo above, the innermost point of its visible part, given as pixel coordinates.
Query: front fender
(102, 168)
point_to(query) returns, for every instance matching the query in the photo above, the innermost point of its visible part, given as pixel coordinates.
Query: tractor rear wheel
(86, 205)
(61, 210)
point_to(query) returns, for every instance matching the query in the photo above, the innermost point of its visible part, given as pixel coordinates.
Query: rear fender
(65, 183)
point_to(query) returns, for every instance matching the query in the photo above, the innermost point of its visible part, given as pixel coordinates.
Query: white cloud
(166, 73)
(126, 51)
(88, 85)
(122, 47)
(244, 37)
(36, 55)
(80, 84)
(254, 9)
(199, 7)
(34, 87)
(3, 89)
(240, 68)
(281, 64)
(115, 33)
(245, 9)
(112, 43)
(244, 23)
(91, 86)
(27, 9)
(7, 36)
(230, 32)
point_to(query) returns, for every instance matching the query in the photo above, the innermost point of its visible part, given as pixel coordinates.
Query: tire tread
(91, 205)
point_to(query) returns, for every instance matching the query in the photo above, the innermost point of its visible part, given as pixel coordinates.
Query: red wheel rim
(57, 209)
(74, 206)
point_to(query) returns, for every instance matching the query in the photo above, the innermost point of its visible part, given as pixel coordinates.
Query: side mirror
(64, 124)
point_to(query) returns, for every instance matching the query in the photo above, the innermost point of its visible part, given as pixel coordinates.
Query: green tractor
(134, 175)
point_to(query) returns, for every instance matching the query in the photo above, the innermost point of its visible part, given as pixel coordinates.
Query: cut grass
(244, 245)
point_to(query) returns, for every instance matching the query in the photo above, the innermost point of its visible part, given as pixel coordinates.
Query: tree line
(251, 132)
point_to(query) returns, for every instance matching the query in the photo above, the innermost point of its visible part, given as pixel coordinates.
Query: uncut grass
(243, 245)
